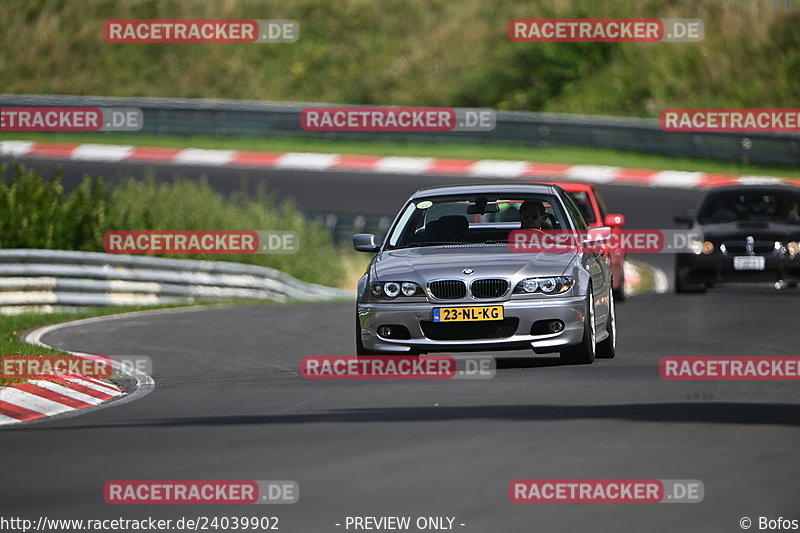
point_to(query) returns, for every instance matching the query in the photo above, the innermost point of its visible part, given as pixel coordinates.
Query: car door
(595, 264)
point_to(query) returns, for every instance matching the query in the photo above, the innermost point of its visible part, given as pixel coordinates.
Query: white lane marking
(498, 168)
(101, 152)
(195, 156)
(66, 391)
(32, 402)
(403, 165)
(676, 178)
(759, 180)
(15, 148)
(306, 161)
(592, 173)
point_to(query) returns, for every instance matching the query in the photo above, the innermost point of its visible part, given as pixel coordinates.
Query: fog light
(393, 331)
(547, 327)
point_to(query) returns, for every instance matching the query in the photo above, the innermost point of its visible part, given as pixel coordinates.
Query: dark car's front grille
(489, 288)
(469, 331)
(740, 247)
(450, 289)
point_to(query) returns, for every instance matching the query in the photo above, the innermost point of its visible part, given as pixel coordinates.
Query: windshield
(456, 220)
(584, 203)
(756, 205)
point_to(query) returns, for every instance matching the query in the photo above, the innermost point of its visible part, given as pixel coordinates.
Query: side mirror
(685, 216)
(599, 235)
(614, 220)
(365, 242)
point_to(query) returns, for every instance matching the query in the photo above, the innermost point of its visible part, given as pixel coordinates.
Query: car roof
(487, 188)
(771, 187)
(573, 186)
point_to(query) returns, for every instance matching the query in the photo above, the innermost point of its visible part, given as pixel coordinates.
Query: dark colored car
(750, 234)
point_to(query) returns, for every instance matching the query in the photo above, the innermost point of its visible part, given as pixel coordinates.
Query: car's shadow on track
(689, 412)
(506, 362)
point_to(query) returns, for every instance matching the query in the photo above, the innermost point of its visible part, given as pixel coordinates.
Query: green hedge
(38, 213)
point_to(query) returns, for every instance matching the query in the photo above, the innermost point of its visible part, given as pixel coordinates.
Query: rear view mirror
(685, 216)
(476, 209)
(365, 242)
(597, 235)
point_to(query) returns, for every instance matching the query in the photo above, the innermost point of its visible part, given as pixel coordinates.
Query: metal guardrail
(167, 116)
(54, 278)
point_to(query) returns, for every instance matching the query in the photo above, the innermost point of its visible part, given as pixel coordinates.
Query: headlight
(554, 285)
(794, 249)
(529, 285)
(696, 247)
(393, 289)
(708, 247)
(409, 289)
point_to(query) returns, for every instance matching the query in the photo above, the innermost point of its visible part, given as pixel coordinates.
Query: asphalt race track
(229, 403)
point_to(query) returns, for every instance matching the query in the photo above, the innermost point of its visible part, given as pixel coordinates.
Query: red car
(595, 211)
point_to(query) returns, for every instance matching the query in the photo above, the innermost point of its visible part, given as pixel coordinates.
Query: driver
(531, 214)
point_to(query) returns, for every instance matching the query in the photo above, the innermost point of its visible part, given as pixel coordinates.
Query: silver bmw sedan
(451, 276)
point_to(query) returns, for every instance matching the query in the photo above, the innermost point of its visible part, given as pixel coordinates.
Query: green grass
(576, 156)
(413, 52)
(12, 327)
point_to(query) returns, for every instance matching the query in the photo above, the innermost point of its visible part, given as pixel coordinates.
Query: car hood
(434, 262)
(760, 231)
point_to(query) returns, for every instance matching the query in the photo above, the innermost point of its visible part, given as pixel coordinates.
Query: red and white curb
(53, 395)
(485, 168)
(70, 394)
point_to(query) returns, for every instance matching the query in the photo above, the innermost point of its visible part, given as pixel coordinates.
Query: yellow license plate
(467, 314)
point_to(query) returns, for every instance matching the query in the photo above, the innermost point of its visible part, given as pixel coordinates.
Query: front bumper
(718, 268)
(570, 310)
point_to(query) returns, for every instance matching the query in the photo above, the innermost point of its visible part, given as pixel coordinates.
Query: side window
(601, 203)
(574, 213)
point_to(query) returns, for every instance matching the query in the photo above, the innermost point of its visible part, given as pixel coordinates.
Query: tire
(619, 293)
(607, 349)
(682, 287)
(583, 353)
